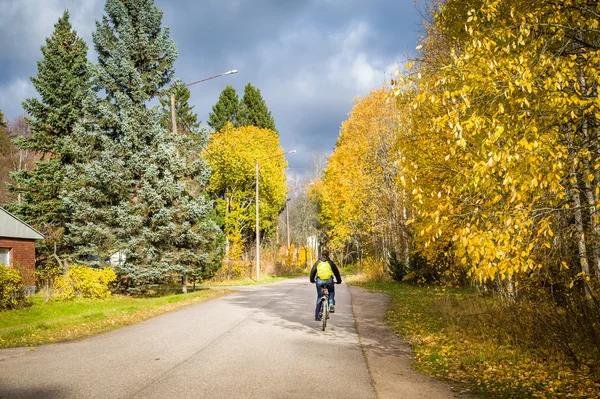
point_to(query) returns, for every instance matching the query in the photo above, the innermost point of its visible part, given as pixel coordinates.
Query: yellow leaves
(352, 197)
(483, 126)
(232, 154)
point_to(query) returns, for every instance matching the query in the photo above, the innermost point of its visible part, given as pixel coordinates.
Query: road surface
(261, 342)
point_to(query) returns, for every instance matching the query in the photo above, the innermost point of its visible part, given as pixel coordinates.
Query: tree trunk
(581, 246)
(589, 190)
(573, 189)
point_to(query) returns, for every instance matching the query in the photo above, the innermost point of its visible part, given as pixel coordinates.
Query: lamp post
(174, 126)
(287, 221)
(257, 224)
(173, 113)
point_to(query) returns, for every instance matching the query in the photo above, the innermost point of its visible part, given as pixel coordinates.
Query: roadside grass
(57, 321)
(453, 339)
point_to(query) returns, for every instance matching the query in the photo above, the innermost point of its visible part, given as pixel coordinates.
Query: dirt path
(388, 357)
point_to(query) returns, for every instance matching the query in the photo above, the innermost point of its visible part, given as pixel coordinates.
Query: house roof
(13, 227)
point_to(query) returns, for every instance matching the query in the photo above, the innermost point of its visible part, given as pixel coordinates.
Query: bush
(11, 289)
(234, 270)
(396, 268)
(421, 271)
(84, 282)
(45, 276)
(374, 270)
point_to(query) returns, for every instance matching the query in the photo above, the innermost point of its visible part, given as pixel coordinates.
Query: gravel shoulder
(388, 357)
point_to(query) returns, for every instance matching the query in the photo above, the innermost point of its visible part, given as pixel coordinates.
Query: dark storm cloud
(309, 58)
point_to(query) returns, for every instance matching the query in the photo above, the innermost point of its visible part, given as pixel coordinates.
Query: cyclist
(322, 273)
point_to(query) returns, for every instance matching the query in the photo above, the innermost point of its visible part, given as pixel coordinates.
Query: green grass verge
(449, 346)
(56, 321)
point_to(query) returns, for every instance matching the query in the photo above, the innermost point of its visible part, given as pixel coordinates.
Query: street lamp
(257, 224)
(174, 124)
(173, 116)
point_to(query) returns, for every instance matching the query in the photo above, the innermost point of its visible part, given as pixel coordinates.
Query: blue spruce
(128, 194)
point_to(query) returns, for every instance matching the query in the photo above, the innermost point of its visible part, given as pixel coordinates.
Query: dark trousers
(330, 286)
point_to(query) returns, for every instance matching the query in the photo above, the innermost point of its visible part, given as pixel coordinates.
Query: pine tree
(225, 110)
(62, 82)
(254, 111)
(130, 195)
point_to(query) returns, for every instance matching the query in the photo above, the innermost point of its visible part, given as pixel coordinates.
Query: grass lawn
(449, 345)
(63, 321)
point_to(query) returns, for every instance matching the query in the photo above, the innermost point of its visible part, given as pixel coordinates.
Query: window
(5, 256)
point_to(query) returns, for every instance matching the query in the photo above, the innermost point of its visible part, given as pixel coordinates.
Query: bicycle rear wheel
(325, 311)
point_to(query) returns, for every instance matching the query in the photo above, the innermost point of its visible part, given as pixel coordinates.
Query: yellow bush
(234, 270)
(236, 245)
(305, 254)
(84, 282)
(11, 289)
(374, 270)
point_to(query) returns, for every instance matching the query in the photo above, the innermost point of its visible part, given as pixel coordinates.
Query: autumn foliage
(233, 154)
(361, 204)
(482, 162)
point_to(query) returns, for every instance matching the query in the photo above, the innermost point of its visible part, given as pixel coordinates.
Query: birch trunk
(589, 190)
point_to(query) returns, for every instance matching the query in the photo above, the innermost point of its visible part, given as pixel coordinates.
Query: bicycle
(325, 307)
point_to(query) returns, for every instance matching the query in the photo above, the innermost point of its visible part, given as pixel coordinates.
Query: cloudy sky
(309, 58)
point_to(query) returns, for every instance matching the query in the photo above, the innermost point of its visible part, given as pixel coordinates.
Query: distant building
(17, 247)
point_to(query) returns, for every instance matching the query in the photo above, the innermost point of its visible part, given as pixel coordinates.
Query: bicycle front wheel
(325, 308)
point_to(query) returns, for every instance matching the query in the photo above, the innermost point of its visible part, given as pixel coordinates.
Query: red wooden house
(17, 247)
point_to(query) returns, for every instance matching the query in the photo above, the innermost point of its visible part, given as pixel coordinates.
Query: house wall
(22, 257)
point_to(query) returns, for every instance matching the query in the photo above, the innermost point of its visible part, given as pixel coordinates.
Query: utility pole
(257, 224)
(257, 231)
(173, 114)
(287, 221)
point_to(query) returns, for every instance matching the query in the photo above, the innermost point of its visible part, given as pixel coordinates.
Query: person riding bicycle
(322, 274)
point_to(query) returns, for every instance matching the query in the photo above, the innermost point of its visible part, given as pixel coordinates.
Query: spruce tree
(61, 82)
(225, 110)
(254, 111)
(130, 194)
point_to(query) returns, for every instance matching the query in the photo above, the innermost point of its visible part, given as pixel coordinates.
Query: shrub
(396, 268)
(11, 289)
(45, 276)
(374, 270)
(234, 270)
(422, 271)
(84, 282)
(304, 256)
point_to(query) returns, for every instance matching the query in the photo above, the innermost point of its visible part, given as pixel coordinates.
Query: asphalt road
(261, 342)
